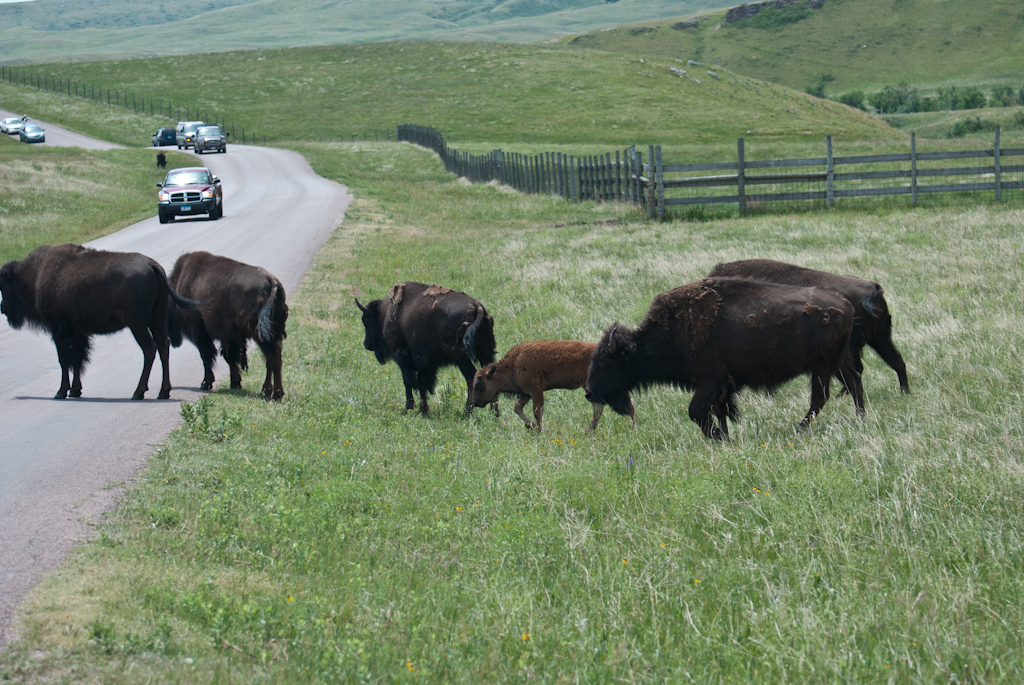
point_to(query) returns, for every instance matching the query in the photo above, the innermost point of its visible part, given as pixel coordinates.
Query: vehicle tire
(163, 218)
(197, 151)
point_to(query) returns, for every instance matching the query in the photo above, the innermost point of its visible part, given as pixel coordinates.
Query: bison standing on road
(73, 292)
(719, 335)
(530, 368)
(872, 324)
(240, 302)
(424, 328)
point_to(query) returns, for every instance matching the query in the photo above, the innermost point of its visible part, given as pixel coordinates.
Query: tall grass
(334, 538)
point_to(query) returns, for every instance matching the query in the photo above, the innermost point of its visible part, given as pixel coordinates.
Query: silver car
(32, 133)
(10, 125)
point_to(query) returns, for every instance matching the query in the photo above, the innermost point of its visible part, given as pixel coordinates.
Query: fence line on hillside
(157, 107)
(655, 185)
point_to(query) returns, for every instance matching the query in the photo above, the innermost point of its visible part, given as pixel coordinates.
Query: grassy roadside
(52, 195)
(333, 538)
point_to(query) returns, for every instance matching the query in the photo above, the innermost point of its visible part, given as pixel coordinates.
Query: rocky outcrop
(749, 10)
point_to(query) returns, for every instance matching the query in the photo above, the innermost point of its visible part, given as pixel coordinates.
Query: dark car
(32, 133)
(165, 136)
(190, 191)
(210, 138)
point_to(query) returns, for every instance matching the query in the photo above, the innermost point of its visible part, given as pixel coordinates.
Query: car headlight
(164, 197)
(207, 194)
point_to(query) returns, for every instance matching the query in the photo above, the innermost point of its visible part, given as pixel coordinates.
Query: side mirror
(216, 180)
(160, 185)
(227, 134)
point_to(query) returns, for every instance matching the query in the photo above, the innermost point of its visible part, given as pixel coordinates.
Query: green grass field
(334, 538)
(472, 92)
(864, 44)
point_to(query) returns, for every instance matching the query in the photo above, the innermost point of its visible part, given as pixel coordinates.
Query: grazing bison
(424, 328)
(719, 335)
(239, 303)
(530, 368)
(872, 324)
(73, 293)
(161, 160)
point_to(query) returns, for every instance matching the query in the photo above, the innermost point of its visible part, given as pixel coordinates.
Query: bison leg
(598, 410)
(851, 381)
(208, 353)
(272, 385)
(820, 381)
(71, 360)
(468, 372)
(410, 381)
(891, 356)
(701, 410)
(423, 402)
(234, 355)
(521, 401)
(148, 345)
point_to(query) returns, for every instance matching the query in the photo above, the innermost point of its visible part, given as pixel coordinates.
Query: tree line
(904, 98)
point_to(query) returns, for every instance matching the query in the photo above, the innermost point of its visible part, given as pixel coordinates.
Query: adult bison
(73, 292)
(872, 324)
(424, 328)
(240, 302)
(718, 335)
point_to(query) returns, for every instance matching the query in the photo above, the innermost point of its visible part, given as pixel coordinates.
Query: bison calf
(73, 293)
(530, 368)
(240, 302)
(719, 335)
(424, 328)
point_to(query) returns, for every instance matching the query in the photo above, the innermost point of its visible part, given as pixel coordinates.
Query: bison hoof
(75, 393)
(138, 396)
(278, 395)
(164, 394)
(206, 385)
(61, 395)
(236, 385)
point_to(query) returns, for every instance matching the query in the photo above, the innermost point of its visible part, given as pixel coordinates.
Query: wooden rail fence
(656, 186)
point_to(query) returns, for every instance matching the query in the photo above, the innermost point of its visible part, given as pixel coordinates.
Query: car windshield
(209, 131)
(33, 127)
(187, 178)
(11, 121)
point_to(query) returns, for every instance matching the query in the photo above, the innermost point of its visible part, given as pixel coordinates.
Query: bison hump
(434, 290)
(698, 308)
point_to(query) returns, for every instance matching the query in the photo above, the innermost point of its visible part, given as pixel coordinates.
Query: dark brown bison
(530, 368)
(73, 293)
(872, 324)
(239, 303)
(719, 335)
(424, 328)
(161, 160)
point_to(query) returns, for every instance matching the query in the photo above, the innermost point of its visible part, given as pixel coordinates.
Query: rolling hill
(46, 30)
(862, 44)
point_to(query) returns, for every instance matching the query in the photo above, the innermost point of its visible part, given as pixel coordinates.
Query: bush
(855, 98)
(954, 98)
(1018, 119)
(1004, 96)
(900, 99)
(968, 125)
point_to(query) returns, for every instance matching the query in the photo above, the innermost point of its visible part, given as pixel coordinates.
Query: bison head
(374, 339)
(11, 305)
(485, 390)
(609, 378)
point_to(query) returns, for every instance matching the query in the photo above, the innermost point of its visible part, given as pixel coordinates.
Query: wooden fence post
(651, 185)
(913, 169)
(999, 176)
(661, 183)
(741, 191)
(830, 172)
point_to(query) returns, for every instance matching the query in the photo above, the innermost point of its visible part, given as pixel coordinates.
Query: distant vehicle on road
(10, 125)
(210, 138)
(189, 191)
(32, 133)
(186, 133)
(165, 136)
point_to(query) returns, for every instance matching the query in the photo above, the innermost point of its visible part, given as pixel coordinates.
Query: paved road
(62, 462)
(62, 137)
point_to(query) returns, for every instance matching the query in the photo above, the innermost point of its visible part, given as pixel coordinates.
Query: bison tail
(266, 324)
(874, 304)
(470, 340)
(179, 317)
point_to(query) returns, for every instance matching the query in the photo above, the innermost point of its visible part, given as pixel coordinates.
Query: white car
(11, 125)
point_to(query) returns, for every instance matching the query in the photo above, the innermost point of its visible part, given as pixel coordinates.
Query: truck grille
(186, 197)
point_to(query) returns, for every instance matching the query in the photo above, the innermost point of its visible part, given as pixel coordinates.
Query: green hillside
(864, 44)
(44, 30)
(488, 94)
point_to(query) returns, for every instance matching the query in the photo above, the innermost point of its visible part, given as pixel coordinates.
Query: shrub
(855, 98)
(1004, 96)
(968, 125)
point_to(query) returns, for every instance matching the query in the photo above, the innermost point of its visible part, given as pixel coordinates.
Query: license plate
(186, 208)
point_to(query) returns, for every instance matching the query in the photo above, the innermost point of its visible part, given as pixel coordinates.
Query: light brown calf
(530, 368)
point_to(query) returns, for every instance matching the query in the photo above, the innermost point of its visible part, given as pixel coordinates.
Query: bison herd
(749, 324)
(73, 292)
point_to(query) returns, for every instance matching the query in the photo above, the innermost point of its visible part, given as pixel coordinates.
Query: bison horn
(612, 347)
(361, 307)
